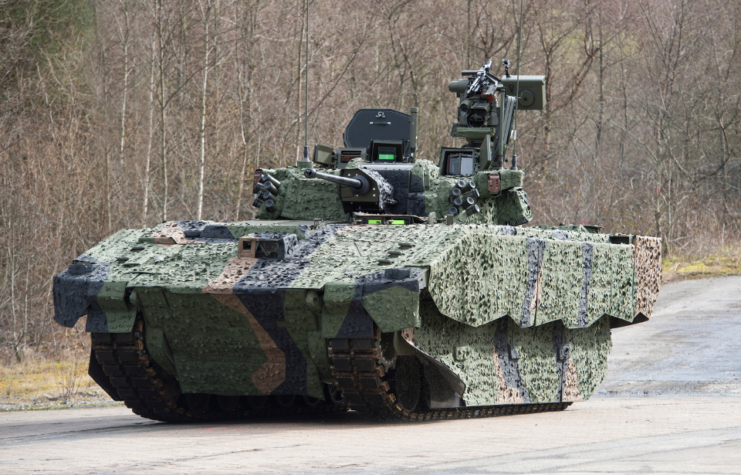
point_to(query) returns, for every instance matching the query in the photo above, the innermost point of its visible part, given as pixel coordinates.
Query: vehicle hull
(502, 315)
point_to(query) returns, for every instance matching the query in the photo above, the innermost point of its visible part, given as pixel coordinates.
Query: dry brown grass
(42, 382)
(724, 261)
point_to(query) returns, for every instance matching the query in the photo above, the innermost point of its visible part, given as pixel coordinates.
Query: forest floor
(719, 263)
(42, 383)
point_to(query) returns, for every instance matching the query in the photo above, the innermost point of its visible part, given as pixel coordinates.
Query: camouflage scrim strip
(513, 391)
(508, 230)
(587, 249)
(266, 306)
(568, 377)
(535, 252)
(505, 394)
(560, 234)
(215, 231)
(192, 228)
(570, 386)
(261, 289)
(647, 261)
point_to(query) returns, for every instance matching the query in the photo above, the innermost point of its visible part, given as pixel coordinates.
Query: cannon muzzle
(360, 185)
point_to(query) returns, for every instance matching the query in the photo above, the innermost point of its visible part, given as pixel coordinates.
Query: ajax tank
(371, 279)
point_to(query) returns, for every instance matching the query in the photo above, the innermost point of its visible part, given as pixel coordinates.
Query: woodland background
(123, 113)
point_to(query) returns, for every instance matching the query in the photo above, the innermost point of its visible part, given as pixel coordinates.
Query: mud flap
(446, 388)
(617, 322)
(95, 370)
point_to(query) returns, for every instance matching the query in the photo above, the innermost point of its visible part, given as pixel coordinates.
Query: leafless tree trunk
(124, 35)
(150, 134)
(601, 82)
(243, 136)
(163, 99)
(25, 311)
(205, 17)
(11, 256)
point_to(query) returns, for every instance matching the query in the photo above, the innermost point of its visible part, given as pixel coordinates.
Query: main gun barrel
(359, 185)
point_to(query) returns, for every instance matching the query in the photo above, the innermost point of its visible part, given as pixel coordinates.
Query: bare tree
(150, 134)
(205, 11)
(124, 31)
(113, 113)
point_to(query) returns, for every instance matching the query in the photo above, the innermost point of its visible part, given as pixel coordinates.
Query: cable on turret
(517, 89)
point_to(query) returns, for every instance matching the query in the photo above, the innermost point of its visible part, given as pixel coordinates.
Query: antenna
(517, 89)
(306, 93)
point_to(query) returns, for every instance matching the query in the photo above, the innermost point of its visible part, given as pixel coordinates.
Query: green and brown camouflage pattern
(364, 275)
(507, 309)
(305, 199)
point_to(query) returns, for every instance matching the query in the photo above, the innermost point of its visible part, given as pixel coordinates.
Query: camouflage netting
(477, 273)
(589, 350)
(486, 276)
(262, 323)
(527, 364)
(426, 171)
(647, 261)
(302, 198)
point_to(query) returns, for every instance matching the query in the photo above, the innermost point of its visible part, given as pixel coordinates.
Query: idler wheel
(285, 401)
(333, 394)
(228, 403)
(409, 375)
(257, 402)
(198, 402)
(312, 401)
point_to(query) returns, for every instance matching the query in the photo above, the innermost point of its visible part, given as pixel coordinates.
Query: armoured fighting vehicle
(372, 280)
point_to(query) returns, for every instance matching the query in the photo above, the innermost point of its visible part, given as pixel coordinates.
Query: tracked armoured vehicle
(371, 279)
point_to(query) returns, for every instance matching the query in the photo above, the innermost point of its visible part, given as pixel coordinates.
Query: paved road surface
(691, 345)
(671, 404)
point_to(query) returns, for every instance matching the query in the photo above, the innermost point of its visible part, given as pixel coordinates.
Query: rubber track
(149, 394)
(358, 374)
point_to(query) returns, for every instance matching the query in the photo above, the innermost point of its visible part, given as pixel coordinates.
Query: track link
(151, 393)
(359, 374)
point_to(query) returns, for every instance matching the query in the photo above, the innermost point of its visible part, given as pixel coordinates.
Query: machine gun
(361, 189)
(481, 81)
(485, 117)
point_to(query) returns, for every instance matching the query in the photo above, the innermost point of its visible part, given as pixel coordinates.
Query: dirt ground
(41, 383)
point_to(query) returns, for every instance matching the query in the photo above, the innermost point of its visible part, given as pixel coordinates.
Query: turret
(379, 177)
